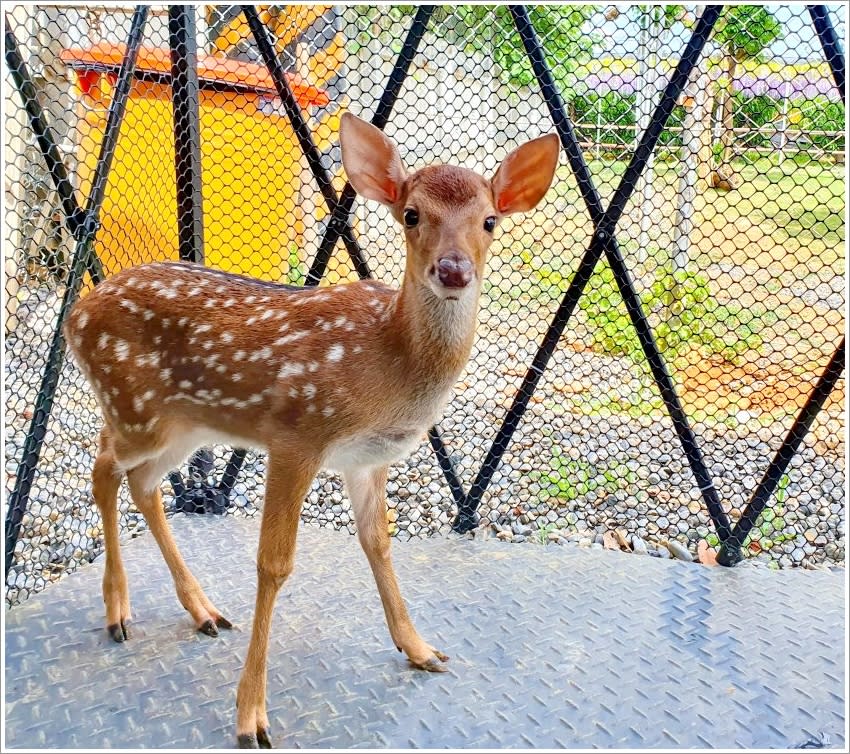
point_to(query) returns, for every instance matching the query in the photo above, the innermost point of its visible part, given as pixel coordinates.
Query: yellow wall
(250, 181)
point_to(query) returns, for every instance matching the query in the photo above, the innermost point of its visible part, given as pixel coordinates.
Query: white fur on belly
(372, 450)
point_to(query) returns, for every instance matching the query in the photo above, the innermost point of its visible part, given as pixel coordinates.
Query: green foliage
(559, 27)
(755, 111)
(294, 271)
(682, 312)
(744, 31)
(544, 531)
(490, 30)
(569, 479)
(615, 109)
(782, 489)
(822, 115)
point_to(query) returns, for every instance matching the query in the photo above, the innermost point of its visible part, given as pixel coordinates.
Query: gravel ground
(570, 475)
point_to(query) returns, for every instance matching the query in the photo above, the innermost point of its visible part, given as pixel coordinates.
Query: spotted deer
(346, 377)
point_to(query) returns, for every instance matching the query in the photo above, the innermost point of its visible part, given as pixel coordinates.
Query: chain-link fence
(660, 342)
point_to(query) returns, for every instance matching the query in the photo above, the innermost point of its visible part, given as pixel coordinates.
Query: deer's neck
(437, 333)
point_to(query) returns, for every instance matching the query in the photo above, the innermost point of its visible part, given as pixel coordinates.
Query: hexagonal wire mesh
(733, 236)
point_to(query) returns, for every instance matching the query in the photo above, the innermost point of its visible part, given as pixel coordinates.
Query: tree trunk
(729, 116)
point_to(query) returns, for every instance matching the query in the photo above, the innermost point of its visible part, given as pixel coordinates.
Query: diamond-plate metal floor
(551, 647)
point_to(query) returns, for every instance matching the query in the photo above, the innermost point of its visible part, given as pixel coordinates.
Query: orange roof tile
(211, 69)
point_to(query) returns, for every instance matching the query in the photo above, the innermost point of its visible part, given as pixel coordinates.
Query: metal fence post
(730, 551)
(340, 206)
(604, 241)
(198, 496)
(85, 234)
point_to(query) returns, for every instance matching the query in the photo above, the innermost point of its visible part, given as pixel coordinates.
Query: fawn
(347, 377)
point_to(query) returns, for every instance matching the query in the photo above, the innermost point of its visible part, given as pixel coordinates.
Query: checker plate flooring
(555, 647)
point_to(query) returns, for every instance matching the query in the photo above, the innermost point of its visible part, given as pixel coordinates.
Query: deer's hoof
(118, 631)
(434, 664)
(210, 627)
(258, 740)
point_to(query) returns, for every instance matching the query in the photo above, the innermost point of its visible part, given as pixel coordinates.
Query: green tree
(743, 32)
(490, 30)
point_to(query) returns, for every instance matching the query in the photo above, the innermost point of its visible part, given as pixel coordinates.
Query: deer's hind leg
(106, 480)
(144, 480)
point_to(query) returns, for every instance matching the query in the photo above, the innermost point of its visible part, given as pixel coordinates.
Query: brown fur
(349, 377)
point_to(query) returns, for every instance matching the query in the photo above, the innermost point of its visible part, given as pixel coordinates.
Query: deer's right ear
(371, 160)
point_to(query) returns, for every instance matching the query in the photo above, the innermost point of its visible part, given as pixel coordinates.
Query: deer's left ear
(525, 175)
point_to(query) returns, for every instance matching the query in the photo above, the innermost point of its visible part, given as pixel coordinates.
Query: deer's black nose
(455, 270)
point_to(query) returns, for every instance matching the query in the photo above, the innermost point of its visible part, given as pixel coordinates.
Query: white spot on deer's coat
(103, 340)
(228, 401)
(129, 305)
(184, 384)
(238, 356)
(203, 328)
(267, 314)
(151, 423)
(138, 404)
(210, 303)
(340, 321)
(264, 353)
(236, 377)
(357, 349)
(335, 352)
(250, 299)
(309, 390)
(221, 369)
(227, 337)
(311, 408)
(250, 320)
(122, 349)
(256, 398)
(196, 291)
(147, 314)
(208, 344)
(349, 326)
(328, 411)
(167, 293)
(227, 303)
(182, 321)
(313, 366)
(290, 370)
(291, 337)
(165, 375)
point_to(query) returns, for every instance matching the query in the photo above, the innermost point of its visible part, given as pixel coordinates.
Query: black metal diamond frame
(83, 224)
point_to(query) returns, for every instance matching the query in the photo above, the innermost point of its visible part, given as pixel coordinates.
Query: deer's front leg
(367, 489)
(287, 484)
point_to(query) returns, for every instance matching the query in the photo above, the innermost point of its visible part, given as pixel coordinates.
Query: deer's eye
(489, 224)
(411, 217)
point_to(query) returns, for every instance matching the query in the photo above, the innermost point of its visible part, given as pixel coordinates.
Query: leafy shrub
(682, 312)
